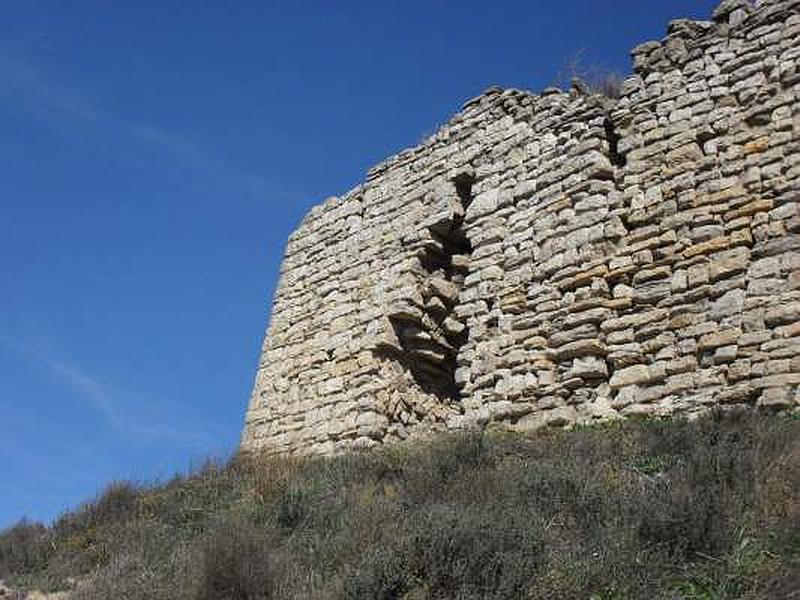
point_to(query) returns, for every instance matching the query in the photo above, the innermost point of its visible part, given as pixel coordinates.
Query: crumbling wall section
(363, 342)
(558, 258)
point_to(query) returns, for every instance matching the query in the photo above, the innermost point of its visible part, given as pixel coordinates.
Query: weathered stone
(708, 247)
(561, 415)
(757, 146)
(728, 263)
(728, 304)
(581, 348)
(783, 313)
(776, 397)
(725, 354)
(681, 365)
(739, 370)
(588, 367)
(592, 315)
(635, 320)
(697, 275)
(625, 355)
(721, 338)
(444, 288)
(636, 374)
(685, 156)
(582, 332)
(749, 209)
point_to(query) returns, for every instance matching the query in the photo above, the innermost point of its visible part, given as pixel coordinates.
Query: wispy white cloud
(22, 82)
(29, 88)
(87, 386)
(198, 155)
(120, 410)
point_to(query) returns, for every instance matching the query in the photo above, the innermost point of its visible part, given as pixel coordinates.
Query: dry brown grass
(643, 509)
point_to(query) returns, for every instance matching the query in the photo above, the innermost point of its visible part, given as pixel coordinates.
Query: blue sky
(154, 158)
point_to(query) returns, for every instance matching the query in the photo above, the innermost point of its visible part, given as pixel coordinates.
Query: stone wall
(558, 258)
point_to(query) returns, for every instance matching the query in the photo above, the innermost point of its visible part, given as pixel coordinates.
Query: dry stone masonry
(558, 258)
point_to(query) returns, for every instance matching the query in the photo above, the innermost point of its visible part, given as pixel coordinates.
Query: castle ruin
(558, 258)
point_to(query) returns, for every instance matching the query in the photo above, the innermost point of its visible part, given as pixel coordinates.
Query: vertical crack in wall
(431, 335)
(617, 159)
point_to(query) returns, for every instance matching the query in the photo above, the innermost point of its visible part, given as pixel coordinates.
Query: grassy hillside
(644, 509)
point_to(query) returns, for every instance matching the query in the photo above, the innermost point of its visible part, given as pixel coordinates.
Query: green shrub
(452, 551)
(24, 548)
(236, 562)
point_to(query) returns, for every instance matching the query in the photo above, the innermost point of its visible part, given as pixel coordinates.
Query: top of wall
(686, 40)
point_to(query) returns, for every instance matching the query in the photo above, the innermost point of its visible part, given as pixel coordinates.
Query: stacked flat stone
(558, 258)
